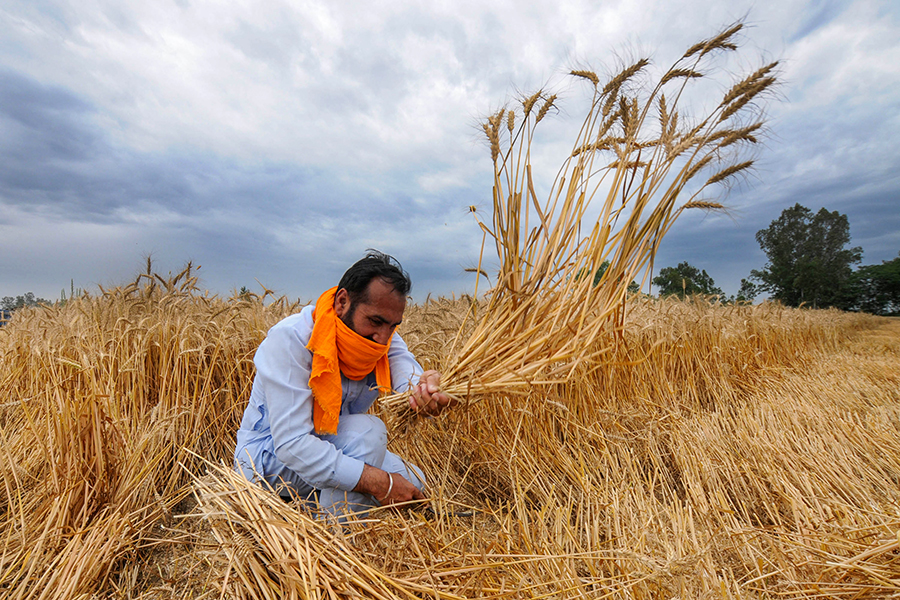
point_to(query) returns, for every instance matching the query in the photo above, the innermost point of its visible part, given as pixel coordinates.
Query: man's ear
(341, 302)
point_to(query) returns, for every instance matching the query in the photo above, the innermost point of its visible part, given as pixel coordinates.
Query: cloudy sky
(276, 141)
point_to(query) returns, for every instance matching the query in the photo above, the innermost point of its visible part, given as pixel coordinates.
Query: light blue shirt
(278, 419)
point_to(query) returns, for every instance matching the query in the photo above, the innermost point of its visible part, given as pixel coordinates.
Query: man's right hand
(377, 483)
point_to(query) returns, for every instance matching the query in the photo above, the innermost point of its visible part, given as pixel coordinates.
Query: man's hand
(426, 395)
(387, 488)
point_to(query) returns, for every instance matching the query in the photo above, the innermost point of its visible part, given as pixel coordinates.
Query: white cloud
(271, 130)
(854, 60)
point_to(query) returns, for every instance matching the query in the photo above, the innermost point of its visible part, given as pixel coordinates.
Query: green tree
(685, 280)
(876, 288)
(808, 259)
(633, 287)
(747, 292)
(27, 300)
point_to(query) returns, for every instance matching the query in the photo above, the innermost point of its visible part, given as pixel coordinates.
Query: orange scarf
(338, 349)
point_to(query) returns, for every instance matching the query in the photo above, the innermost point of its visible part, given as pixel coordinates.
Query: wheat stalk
(545, 319)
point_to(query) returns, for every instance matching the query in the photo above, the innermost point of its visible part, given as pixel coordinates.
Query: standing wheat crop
(644, 164)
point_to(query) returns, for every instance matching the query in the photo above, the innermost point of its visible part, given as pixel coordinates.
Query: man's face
(377, 317)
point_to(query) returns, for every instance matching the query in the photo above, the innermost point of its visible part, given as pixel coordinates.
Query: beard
(347, 319)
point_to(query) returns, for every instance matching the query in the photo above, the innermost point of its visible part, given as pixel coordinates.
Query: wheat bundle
(634, 155)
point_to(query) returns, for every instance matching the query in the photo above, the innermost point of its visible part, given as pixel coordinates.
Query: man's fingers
(403, 491)
(432, 381)
(430, 403)
(427, 396)
(422, 397)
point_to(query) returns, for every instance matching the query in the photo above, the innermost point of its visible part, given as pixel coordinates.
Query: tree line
(809, 264)
(10, 304)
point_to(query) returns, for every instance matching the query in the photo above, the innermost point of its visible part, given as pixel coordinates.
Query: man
(317, 373)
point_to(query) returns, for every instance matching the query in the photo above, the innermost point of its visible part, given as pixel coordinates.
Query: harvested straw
(715, 453)
(275, 550)
(104, 394)
(720, 451)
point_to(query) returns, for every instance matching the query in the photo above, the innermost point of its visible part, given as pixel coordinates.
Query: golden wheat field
(717, 452)
(606, 445)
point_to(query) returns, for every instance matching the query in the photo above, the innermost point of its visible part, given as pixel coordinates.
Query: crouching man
(317, 373)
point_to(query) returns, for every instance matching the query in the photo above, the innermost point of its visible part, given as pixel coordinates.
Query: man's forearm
(386, 488)
(373, 482)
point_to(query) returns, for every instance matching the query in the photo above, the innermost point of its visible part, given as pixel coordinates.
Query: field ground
(720, 452)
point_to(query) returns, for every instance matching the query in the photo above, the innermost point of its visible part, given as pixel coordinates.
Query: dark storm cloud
(278, 141)
(287, 225)
(53, 155)
(40, 119)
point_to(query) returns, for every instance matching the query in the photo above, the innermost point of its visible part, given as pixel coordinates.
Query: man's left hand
(426, 395)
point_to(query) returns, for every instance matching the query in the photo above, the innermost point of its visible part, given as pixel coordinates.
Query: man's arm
(386, 488)
(283, 364)
(425, 394)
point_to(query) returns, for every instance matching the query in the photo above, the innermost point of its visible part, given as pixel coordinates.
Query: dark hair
(375, 264)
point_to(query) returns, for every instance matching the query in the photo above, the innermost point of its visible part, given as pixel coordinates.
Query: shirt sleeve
(405, 369)
(283, 365)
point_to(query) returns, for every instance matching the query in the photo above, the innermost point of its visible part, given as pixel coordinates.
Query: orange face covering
(338, 349)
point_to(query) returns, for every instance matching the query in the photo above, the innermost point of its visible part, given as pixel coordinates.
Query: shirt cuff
(347, 472)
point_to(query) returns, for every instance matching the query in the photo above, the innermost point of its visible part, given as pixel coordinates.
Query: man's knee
(363, 437)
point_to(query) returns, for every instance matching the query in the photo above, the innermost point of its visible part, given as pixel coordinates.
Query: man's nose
(383, 335)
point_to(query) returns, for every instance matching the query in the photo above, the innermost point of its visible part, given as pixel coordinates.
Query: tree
(876, 288)
(685, 280)
(9, 303)
(748, 291)
(808, 259)
(633, 287)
